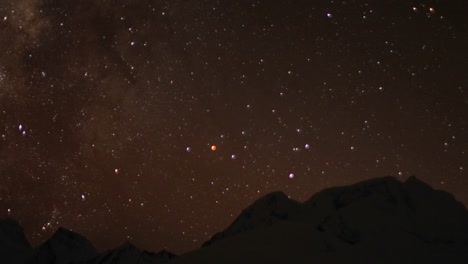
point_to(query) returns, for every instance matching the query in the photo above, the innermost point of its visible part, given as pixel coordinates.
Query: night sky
(157, 122)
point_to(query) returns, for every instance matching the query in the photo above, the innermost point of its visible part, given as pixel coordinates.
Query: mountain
(128, 253)
(67, 247)
(264, 212)
(381, 220)
(64, 246)
(14, 247)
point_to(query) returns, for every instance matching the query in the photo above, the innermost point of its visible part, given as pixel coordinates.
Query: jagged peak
(127, 246)
(371, 181)
(266, 210)
(161, 254)
(66, 234)
(278, 194)
(12, 232)
(61, 231)
(164, 252)
(413, 178)
(273, 198)
(336, 191)
(414, 181)
(65, 243)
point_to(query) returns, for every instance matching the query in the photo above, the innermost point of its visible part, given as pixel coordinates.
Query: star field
(157, 122)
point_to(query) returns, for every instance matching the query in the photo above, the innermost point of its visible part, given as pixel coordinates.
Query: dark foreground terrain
(381, 220)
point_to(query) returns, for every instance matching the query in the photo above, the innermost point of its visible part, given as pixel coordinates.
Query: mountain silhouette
(128, 253)
(14, 247)
(64, 246)
(381, 220)
(264, 212)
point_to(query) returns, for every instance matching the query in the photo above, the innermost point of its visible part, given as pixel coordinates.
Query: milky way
(158, 121)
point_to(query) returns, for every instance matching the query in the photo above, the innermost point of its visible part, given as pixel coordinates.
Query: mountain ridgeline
(381, 220)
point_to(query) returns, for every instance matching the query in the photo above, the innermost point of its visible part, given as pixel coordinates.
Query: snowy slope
(381, 220)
